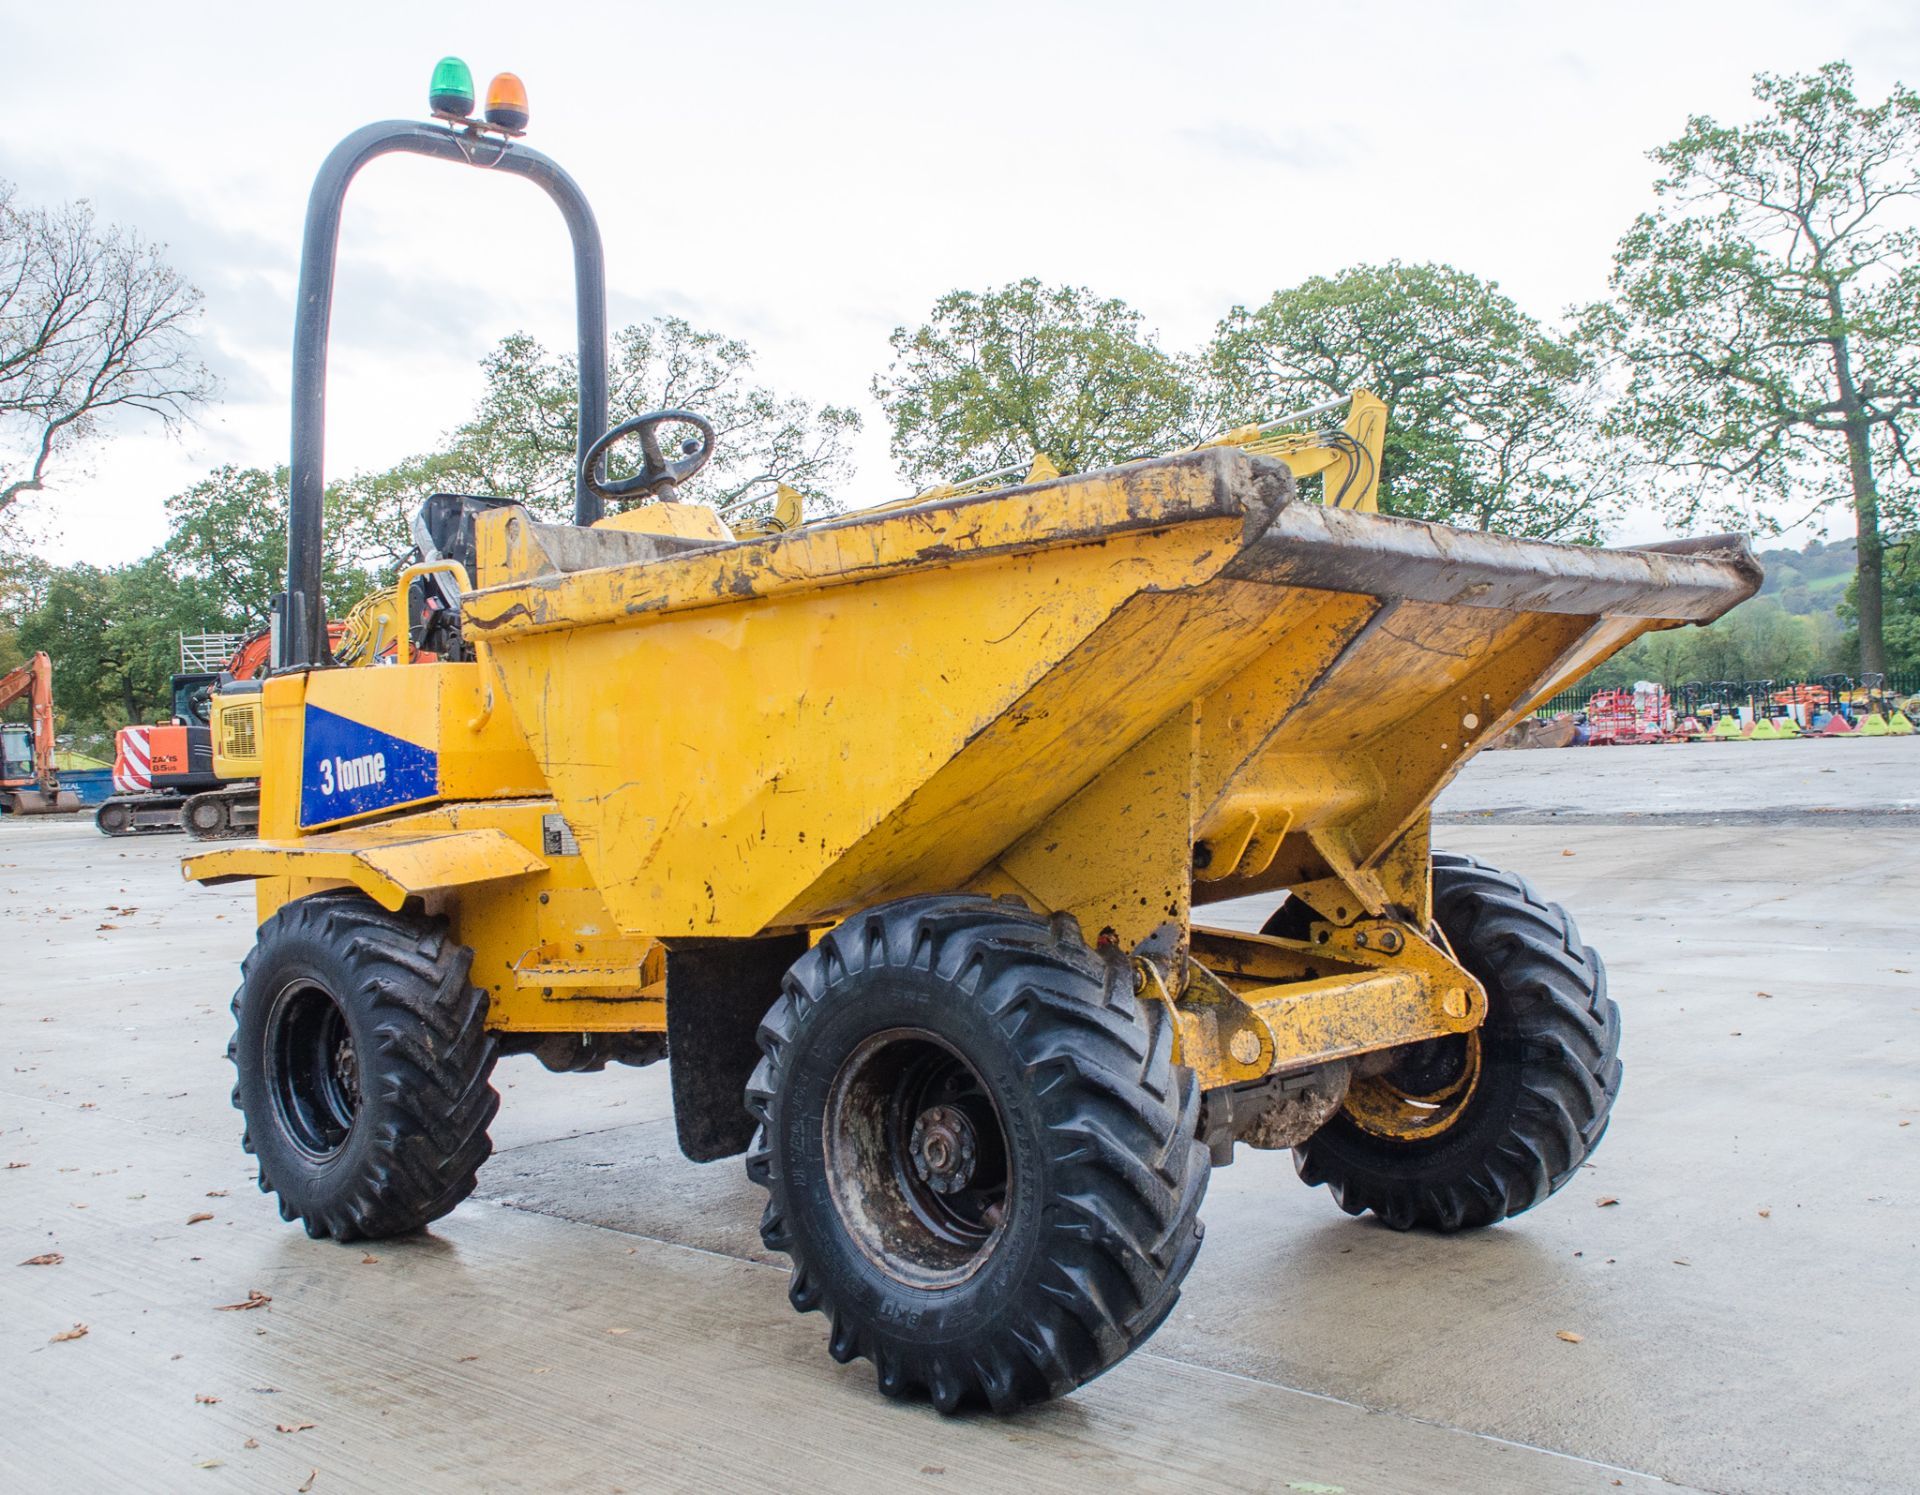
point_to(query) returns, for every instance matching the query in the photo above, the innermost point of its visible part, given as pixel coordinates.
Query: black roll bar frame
(300, 622)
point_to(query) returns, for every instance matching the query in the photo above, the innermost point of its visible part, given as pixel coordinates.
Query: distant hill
(1810, 581)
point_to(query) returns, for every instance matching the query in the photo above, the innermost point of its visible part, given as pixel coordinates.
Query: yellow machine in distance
(893, 830)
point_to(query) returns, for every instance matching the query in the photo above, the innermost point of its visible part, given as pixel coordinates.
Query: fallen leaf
(254, 1299)
(543, 1370)
(312, 1475)
(44, 1259)
(1681, 1261)
(291, 1427)
(87, 1105)
(106, 926)
(206, 1401)
(78, 1331)
(1766, 994)
(251, 1443)
(1604, 1200)
(206, 1463)
(620, 1331)
(11, 1166)
(216, 1193)
(369, 1259)
(933, 1468)
(465, 1358)
(1564, 854)
(198, 1215)
(1766, 1214)
(1569, 1336)
(1906, 1123)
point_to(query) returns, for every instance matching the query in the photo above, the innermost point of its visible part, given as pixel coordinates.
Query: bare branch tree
(93, 321)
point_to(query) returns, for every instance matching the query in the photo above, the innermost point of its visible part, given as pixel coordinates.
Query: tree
(1900, 599)
(93, 322)
(1758, 640)
(994, 376)
(1492, 421)
(1768, 315)
(114, 638)
(520, 443)
(227, 540)
(23, 587)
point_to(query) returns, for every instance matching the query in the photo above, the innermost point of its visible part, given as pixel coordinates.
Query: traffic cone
(1727, 728)
(1873, 724)
(1764, 731)
(1836, 726)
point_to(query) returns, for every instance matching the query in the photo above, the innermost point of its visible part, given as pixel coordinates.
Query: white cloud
(839, 166)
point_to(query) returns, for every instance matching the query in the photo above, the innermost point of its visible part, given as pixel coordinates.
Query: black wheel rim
(917, 1159)
(313, 1071)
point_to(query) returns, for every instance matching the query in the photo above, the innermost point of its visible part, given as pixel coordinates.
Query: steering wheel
(658, 476)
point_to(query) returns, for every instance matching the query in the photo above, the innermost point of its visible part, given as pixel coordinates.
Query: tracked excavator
(199, 771)
(29, 781)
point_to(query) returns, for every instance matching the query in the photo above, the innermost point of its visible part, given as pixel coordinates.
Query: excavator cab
(16, 755)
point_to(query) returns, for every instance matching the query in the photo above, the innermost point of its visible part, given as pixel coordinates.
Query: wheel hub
(943, 1149)
(312, 1069)
(917, 1158)
(346, 1069)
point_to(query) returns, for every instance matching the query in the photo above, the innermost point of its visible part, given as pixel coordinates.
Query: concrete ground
(601, 1317)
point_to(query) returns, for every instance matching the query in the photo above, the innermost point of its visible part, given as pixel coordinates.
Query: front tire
(978, 1151)
(363, 1067)
(1466, 1131)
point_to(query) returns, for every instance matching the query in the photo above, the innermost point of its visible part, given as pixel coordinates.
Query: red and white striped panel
(132, 760)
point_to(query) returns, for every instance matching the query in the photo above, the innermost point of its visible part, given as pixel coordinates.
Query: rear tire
(978, 1151)
(1545, 1069)
(363, 1066)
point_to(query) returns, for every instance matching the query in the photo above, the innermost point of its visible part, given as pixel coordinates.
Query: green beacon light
(451, 91)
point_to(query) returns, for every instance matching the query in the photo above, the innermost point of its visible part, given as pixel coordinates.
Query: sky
(810, 176)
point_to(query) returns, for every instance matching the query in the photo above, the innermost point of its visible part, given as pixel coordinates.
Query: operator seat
(443, 530)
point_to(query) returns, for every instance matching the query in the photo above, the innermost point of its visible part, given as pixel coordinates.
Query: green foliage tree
(227, 540)
(23, 587)
(1900, 598)
(1492, 420)
(994, 376)
(1758, 640)
(1767, 313)
(520, 442)
(114, 638)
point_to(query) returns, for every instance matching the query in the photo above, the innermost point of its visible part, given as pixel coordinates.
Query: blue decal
(351, 769)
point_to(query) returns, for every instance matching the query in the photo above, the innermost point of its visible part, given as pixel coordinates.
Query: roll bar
(300, 614)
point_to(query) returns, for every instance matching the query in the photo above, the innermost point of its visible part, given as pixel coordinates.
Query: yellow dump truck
(892, 833)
